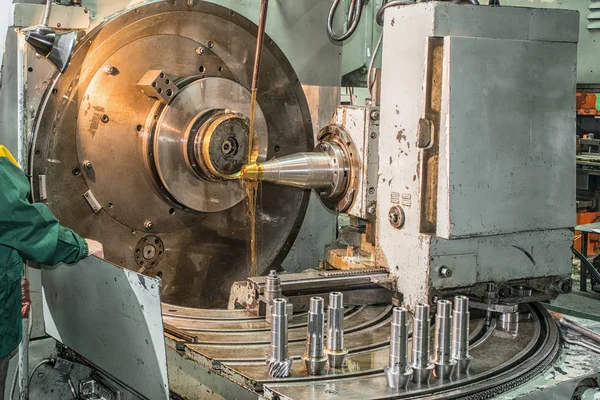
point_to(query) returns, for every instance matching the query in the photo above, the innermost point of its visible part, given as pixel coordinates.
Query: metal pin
(422, 368)
(460, 335)
(314, 359)
(444, 364)
(280, 363)
(398, 372)
(336, 353)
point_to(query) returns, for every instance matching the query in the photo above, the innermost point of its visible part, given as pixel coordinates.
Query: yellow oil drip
(252, 186)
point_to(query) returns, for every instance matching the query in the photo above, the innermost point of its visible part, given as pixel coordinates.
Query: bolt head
(396, 217)
(445, 272)
(148, 225)
(87, 164)
(199, 51)
(109, 69)
(374, 115)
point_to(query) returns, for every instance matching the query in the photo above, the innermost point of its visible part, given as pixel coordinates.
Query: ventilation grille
(594, 16)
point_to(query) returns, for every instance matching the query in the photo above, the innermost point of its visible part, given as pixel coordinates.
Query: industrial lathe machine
(399, 246)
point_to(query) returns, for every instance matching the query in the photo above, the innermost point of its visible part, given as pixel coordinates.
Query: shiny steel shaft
(315, 359)
(280, 363)
(323, 169)
(398, 372)
(444, 364)
(336, 353)
(272, 287)
(421, 365)
(460, 334)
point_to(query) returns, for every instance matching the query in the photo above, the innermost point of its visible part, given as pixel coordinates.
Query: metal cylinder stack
(336, 353)
(280, 363)
(398, 372)
(460, 335)
(422, 368)
(444, 364)
(314, 359)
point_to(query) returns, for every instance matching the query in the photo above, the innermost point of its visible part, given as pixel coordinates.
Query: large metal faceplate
(204, 253)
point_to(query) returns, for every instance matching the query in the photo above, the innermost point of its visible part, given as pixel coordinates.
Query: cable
(47, 13)
(593, 271)
(354, 14)
(44, 361)
(379, 15)
(370, 80)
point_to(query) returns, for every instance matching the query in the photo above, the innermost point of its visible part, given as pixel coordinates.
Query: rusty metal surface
(204, 253)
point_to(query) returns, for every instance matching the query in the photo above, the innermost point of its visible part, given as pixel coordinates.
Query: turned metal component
(272, 287)
(336, 353)
(422, 368)
(324, 170)
(314, 359)
(280, 363)
(460, 334)
(398, 372)
(444, 364)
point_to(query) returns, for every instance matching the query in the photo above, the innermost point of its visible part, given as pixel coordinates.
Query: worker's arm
(32, 229)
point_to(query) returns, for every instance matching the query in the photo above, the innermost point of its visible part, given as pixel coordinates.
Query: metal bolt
(373, 135)
(445, 272)
(148, 225)
(396, 217)
(371, 190)
(372, 209)
(374, 115)
(199, 51)
(104, 118)
(87, 164)
(109, 69)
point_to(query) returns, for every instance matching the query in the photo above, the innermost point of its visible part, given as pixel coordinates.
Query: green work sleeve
(32, 229)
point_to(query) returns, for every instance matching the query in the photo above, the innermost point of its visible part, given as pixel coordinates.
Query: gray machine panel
(112, 317)
(506, 148)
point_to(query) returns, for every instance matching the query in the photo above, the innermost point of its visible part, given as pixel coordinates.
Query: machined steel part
(280, 363)
(272, 287)
(145, 184)
(314, 359)
(421, 364)
(398, 372)
(335, 350)
(460, 335)
(233, 344)
(324, 169)
(443, 361)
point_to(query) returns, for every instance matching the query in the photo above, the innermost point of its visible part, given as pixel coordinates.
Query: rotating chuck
(314, 359)
(460, 335)
(444, 364)
(336, 353)
(421, 366)
(280, 363)
(398, 372)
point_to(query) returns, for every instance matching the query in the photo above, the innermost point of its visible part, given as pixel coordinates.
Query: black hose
(379, 16)
(356, 7)
(593, 271)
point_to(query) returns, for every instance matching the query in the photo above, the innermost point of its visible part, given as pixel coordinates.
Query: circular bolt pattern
(149, 251)
(396, 217)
